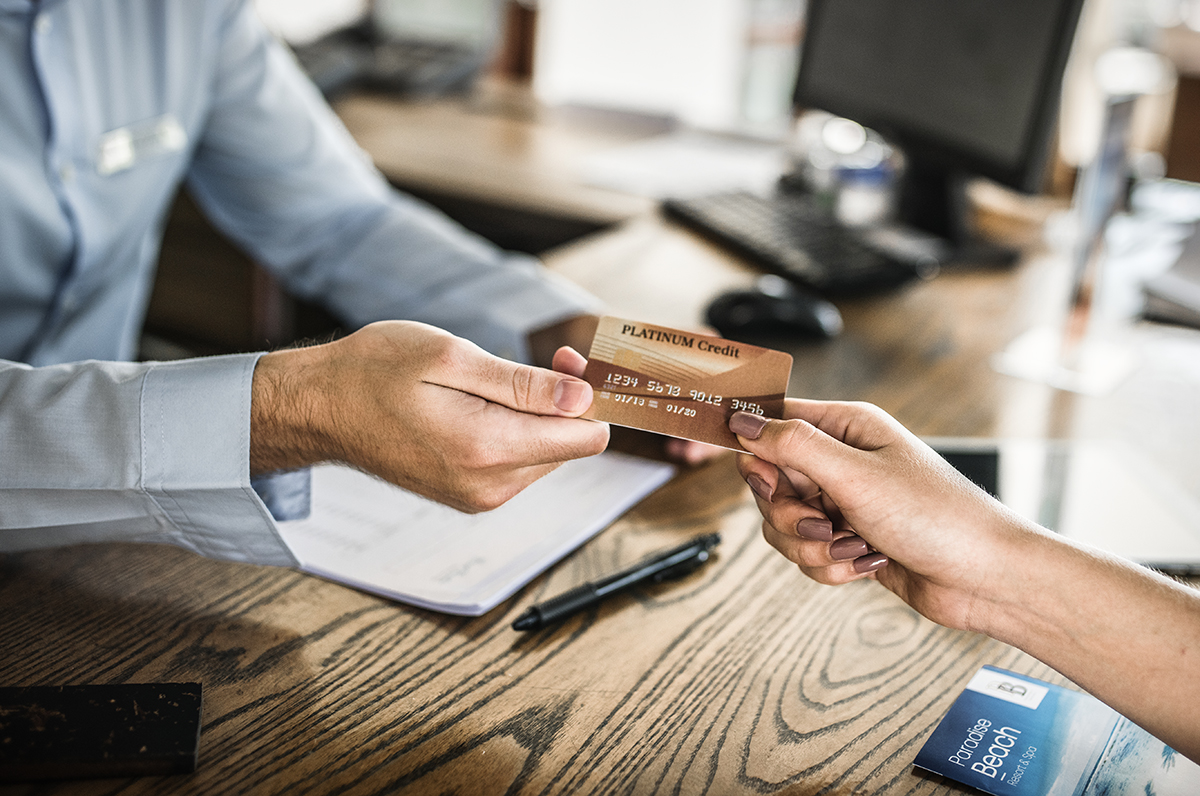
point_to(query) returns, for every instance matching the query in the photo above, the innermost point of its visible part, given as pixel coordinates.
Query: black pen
(673, 563)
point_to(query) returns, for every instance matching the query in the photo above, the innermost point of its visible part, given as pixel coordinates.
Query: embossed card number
(681, 384)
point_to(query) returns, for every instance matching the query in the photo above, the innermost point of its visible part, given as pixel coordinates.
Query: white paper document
(381, 539)
(682, 165)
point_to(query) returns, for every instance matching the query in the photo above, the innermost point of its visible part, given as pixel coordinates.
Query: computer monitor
(962, 87)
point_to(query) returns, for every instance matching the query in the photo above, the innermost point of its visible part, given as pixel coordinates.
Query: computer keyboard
(788, 234)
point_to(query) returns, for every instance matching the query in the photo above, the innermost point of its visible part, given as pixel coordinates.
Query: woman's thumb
(794, 444)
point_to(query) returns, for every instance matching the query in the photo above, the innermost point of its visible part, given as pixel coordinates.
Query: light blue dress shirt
(106, 106)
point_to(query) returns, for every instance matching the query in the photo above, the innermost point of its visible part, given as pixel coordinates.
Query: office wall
(682, 58)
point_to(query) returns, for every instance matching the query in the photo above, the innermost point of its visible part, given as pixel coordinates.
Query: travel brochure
(1012, 735)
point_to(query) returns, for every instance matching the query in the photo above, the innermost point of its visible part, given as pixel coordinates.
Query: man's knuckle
(447, 353)
(564, 448)
(524, 386)
(494, 496)
(480, 458)
(597, 439)
(599, 443)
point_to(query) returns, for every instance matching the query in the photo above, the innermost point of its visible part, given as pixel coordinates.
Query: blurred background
(730, 65)
(699, 92)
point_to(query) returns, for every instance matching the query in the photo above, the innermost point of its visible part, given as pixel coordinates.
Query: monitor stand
(933, 199)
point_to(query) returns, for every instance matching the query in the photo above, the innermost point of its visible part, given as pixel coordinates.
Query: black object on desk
(789, 235)
(773, 308)
(360, 57)
(85, 731)
(673, 563)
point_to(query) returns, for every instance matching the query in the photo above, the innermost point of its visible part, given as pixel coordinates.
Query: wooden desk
(499, 147)
(743, 678)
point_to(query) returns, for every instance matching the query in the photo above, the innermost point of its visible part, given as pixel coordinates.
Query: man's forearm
(146, 452)
(287, 422)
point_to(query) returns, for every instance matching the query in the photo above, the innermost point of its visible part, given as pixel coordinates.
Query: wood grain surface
(742, 678)
(745, 677)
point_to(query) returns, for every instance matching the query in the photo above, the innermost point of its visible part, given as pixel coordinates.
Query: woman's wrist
(1058, 600)
(1019, 601)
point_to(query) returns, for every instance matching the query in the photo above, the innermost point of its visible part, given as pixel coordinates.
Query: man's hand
(421, 408)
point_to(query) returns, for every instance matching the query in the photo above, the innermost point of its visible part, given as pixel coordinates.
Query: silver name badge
(120, 149)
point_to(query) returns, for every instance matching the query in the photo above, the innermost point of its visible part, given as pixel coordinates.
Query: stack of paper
(376, 537)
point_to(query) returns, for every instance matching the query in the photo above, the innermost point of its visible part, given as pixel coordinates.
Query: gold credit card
(681, 384)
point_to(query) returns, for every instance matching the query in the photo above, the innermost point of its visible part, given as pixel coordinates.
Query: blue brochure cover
(1012, 735)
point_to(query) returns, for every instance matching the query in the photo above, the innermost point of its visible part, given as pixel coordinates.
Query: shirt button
(66, 173)
(43, 23)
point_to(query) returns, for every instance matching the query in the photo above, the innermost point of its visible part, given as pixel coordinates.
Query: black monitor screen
(972, 83)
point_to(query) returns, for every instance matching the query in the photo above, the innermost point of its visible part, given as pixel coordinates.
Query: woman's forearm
(1127, 635)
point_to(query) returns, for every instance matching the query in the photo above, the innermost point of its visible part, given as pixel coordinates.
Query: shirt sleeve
(278, 172)
(148, 452)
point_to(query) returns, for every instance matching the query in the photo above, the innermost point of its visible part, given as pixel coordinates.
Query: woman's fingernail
(848, 547)
(870, 563)
(817, 528)
(571, 396)
(747, 425)
(760, 486)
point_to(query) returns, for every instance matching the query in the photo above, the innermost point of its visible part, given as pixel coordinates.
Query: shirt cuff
(287, 493)
(196, 459)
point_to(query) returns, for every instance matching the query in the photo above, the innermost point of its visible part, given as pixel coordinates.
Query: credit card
(682, 384)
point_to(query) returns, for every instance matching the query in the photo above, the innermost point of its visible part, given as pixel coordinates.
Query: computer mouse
(774, 307)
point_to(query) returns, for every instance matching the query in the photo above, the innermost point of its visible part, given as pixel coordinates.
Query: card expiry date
(681, 384)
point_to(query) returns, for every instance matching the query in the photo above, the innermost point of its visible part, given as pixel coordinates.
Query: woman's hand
(847, 493)
(899, 513)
